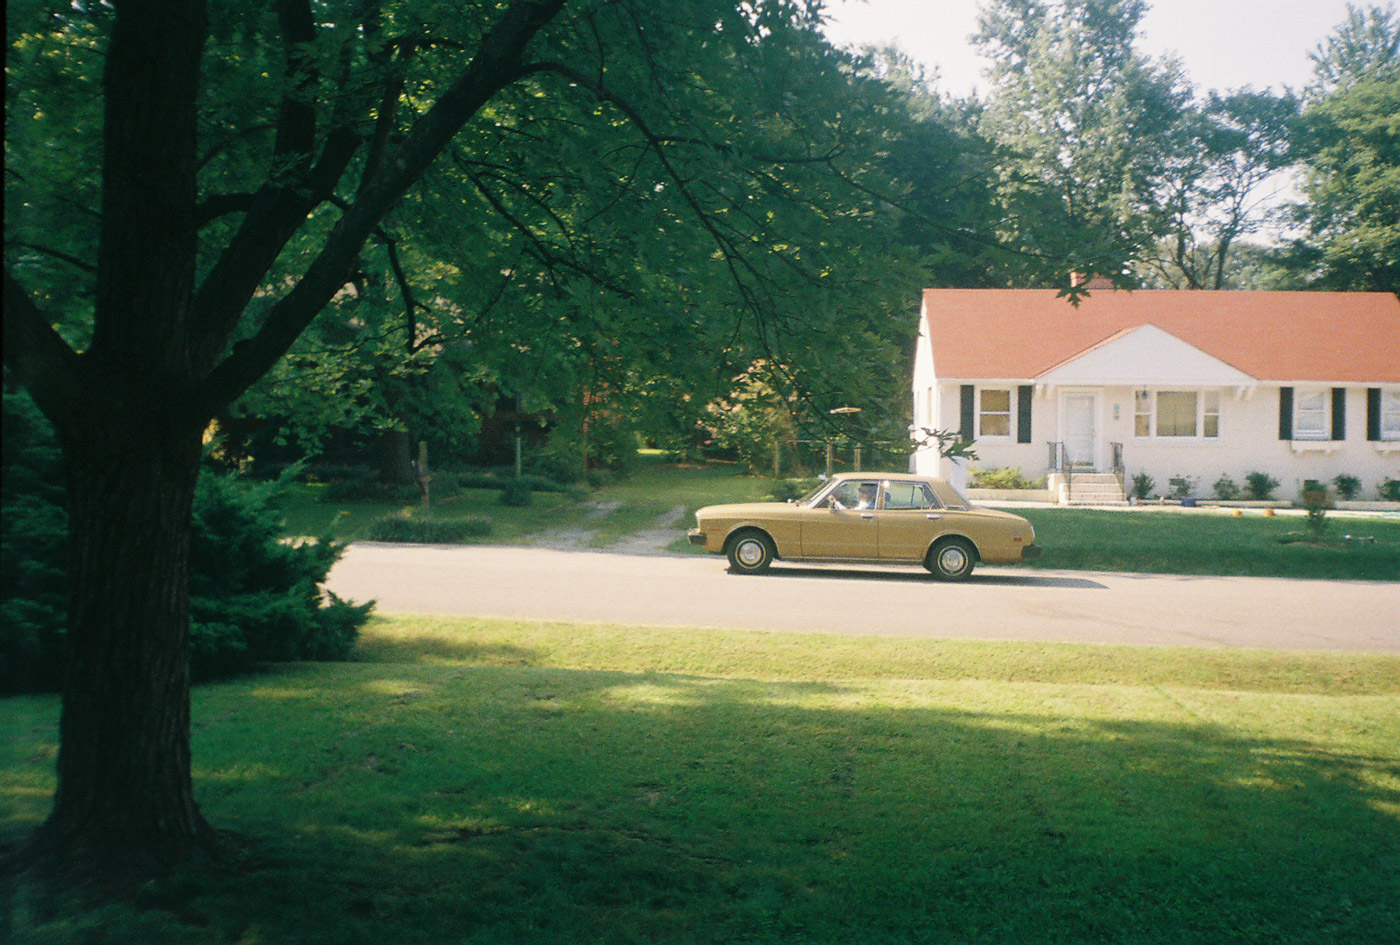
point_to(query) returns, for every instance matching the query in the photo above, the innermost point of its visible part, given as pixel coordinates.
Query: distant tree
(1222, 167)
(1349, 144)
(1365, 43)
(1085, 121)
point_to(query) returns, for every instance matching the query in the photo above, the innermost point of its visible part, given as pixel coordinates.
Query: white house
(1299, 385)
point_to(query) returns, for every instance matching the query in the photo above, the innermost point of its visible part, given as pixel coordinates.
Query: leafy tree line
(1167, 186)
(1086, 155)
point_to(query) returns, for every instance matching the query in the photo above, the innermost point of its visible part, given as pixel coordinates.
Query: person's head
(867, 492)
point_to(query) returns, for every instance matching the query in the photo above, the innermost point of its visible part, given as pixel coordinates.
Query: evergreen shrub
(1226, 488)
(1348, 487)
(1261, 486)
(253, 599)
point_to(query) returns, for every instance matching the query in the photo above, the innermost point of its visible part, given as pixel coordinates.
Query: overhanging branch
(497, 63)
(39, 358)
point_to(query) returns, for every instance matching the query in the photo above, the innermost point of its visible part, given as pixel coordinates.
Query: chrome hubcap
(750, 552)
(952, 559)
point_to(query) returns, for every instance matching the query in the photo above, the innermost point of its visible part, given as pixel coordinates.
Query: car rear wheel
(951, 560)
(750, 553)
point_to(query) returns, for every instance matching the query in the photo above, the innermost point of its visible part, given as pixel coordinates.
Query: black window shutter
(1373, 414)
(1285, 413)
(1339, 413)
(1023, 413)
(969, 425)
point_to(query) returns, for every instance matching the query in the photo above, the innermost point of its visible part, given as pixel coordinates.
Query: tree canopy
(1349, 145)
(576, 199)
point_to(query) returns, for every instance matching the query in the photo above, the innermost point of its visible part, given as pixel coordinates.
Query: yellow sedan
(868, 518)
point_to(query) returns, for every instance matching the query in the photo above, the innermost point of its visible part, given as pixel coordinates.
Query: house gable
(1148, 357)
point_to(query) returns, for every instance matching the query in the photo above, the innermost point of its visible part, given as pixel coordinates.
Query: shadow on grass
(520, 804)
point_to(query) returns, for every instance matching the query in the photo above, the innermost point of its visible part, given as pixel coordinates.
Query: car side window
(855, 494)
(906, 496)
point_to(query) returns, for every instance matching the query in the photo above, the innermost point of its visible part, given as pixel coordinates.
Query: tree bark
(125, 808)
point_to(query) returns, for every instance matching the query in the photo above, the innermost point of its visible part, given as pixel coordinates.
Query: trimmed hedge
(432, 531)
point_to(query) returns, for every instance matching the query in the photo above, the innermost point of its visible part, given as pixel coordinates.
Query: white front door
(1081, 429)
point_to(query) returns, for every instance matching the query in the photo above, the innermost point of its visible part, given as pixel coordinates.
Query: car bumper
(1031, 552)
(696, 536)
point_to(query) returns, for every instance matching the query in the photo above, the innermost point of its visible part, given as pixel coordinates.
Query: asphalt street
(996, 604)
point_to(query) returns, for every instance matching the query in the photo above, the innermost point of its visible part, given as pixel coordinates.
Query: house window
(1390, 415)
(1210, 414)
(1310, 415)
(1176, 414)
(994, 413)
(1142, 414)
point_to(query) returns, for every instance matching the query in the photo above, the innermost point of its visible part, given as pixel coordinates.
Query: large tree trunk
(129, 410)
(125, 804)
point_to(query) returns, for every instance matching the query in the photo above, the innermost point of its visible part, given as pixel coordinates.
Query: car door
(839, 529)
(910, 518)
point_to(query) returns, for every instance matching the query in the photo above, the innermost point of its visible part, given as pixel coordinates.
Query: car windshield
(807, 499)
(958, 492)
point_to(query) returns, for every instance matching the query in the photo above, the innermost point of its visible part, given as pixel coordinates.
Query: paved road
(998, 603)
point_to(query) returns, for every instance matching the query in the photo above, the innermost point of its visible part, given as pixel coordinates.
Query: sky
(1224, 44)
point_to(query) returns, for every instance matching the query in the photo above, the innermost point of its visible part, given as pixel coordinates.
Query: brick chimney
(1100, 281)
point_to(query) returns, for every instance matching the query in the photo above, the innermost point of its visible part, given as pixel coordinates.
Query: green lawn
(489, 781)
(656, 489)
(1207, 541)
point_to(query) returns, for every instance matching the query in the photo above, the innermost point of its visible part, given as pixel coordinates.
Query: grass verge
(1210, 542)
(496, 781)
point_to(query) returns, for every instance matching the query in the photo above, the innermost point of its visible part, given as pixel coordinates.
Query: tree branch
(497, 63)
(220, 205)
(39, 358)
(82, 264)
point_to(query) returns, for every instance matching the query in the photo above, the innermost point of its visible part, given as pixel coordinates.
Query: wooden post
(857, 459)
(828, 459)
(777, 460)
(424, 477)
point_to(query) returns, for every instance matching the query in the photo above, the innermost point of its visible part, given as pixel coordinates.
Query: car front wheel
(951, 560)
(750, 553)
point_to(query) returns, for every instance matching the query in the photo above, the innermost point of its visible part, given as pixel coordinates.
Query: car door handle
(932, 517)
(867, 515)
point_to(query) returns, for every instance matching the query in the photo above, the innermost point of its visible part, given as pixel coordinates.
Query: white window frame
(1390, 415)
(1322, 414)
(1010, 414)
(1208, 401)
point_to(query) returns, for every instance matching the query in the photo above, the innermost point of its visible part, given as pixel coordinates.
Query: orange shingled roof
(1019, 334)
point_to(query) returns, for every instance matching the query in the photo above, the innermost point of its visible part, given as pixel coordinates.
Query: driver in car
(864, 499)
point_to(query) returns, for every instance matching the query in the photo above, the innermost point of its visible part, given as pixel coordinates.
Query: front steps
(1086, 488)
